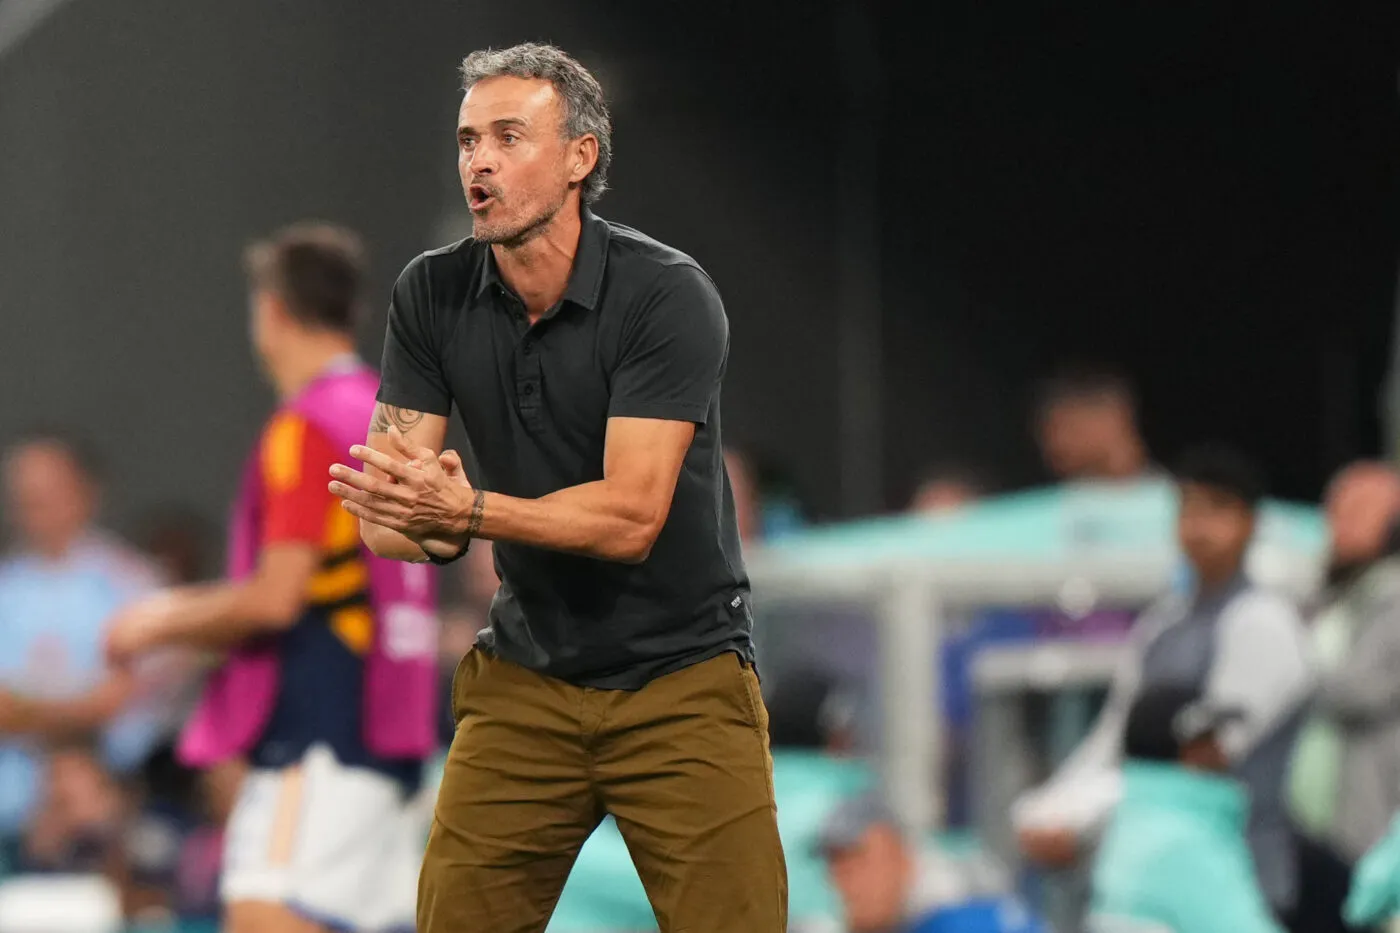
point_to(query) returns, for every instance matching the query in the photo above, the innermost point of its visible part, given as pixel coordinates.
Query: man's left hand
(418, 499)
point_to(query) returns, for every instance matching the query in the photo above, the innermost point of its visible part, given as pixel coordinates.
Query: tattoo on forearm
(387, 416)
(478, 512)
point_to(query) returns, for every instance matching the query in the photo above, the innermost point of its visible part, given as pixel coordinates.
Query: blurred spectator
(63, 582)
(1086, 425)
(765, 497)
(744, 485)
(79, 818)
(1345, 782)
(946, 489)
(1239, 645)
(1175, 853)
(809, 709)
(890, 884)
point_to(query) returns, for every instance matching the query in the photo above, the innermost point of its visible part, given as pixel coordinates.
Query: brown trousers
(682, 765)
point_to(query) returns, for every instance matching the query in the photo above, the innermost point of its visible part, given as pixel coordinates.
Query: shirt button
(529, 389)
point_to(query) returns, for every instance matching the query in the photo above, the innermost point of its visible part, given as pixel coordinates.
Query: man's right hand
(1049, 847)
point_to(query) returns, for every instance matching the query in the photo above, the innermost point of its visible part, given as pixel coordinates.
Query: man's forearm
(74, 716)
(218, 616)
(390, 544)
(593, 520)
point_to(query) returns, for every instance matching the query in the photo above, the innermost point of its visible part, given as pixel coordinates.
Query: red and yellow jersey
(298, 506)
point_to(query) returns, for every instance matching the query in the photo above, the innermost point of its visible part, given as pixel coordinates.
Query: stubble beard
(513, 237)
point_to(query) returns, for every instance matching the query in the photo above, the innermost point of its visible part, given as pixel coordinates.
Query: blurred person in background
(1345, 781)
(1174, 857)
(766, 500)
(1240, 645)
(1087, 429)
(329, 689)
(78, 825)
(945, 489)
(743, 482)
(59, 589)
(889, 883)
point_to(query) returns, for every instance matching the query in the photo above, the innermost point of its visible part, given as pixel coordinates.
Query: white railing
(911, 599)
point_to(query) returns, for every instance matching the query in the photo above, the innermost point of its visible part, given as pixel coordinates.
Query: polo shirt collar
(590, 259)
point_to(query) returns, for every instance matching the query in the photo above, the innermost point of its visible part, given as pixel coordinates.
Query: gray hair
(585, 109)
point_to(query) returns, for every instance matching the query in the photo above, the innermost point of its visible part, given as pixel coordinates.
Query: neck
(538, 269)
(307, 361)
(1212, 581)
(1127, 461)
(57, 550)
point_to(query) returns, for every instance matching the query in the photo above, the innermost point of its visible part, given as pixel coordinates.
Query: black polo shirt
(640, 333)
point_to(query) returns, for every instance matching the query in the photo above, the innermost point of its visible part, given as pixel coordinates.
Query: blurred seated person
(1345, 780)
(59, 586)
(77, 827)
(1087, 429)
(1240, 645)
(888, 883)
(1174, 858)
(173, 843)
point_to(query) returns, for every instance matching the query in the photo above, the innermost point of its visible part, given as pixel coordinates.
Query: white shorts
(340, 846)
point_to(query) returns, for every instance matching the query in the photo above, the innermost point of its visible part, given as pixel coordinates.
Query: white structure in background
(59, 904)
(1076, 548)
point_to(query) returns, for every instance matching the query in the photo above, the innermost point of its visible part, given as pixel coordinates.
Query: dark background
(912, 211)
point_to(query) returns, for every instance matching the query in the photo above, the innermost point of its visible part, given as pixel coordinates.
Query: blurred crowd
(1242, 774)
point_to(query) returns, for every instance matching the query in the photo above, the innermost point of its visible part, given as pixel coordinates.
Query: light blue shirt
(53, 616)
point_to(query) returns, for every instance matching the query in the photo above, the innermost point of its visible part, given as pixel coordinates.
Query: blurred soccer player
(329, 687)
(617, 673)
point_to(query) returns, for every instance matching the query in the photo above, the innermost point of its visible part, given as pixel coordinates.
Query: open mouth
(479, 197)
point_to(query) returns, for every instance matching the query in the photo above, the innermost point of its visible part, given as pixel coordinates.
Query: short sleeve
(673, 352)
(410, 372)
(296, 461)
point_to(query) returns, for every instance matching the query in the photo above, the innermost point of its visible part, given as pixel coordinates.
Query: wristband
(444, 561)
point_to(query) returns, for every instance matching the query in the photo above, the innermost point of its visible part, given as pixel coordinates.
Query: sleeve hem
(399, 399)
(664, 411)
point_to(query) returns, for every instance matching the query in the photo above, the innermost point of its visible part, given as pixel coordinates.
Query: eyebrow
(500, 124)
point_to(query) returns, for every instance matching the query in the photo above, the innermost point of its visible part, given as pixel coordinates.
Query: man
(617, 675)
(329, 687)
(58, 593)
(1174, 859)
(1240, 645)
(1086, 425)
(1345, 781)
(888, 884)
